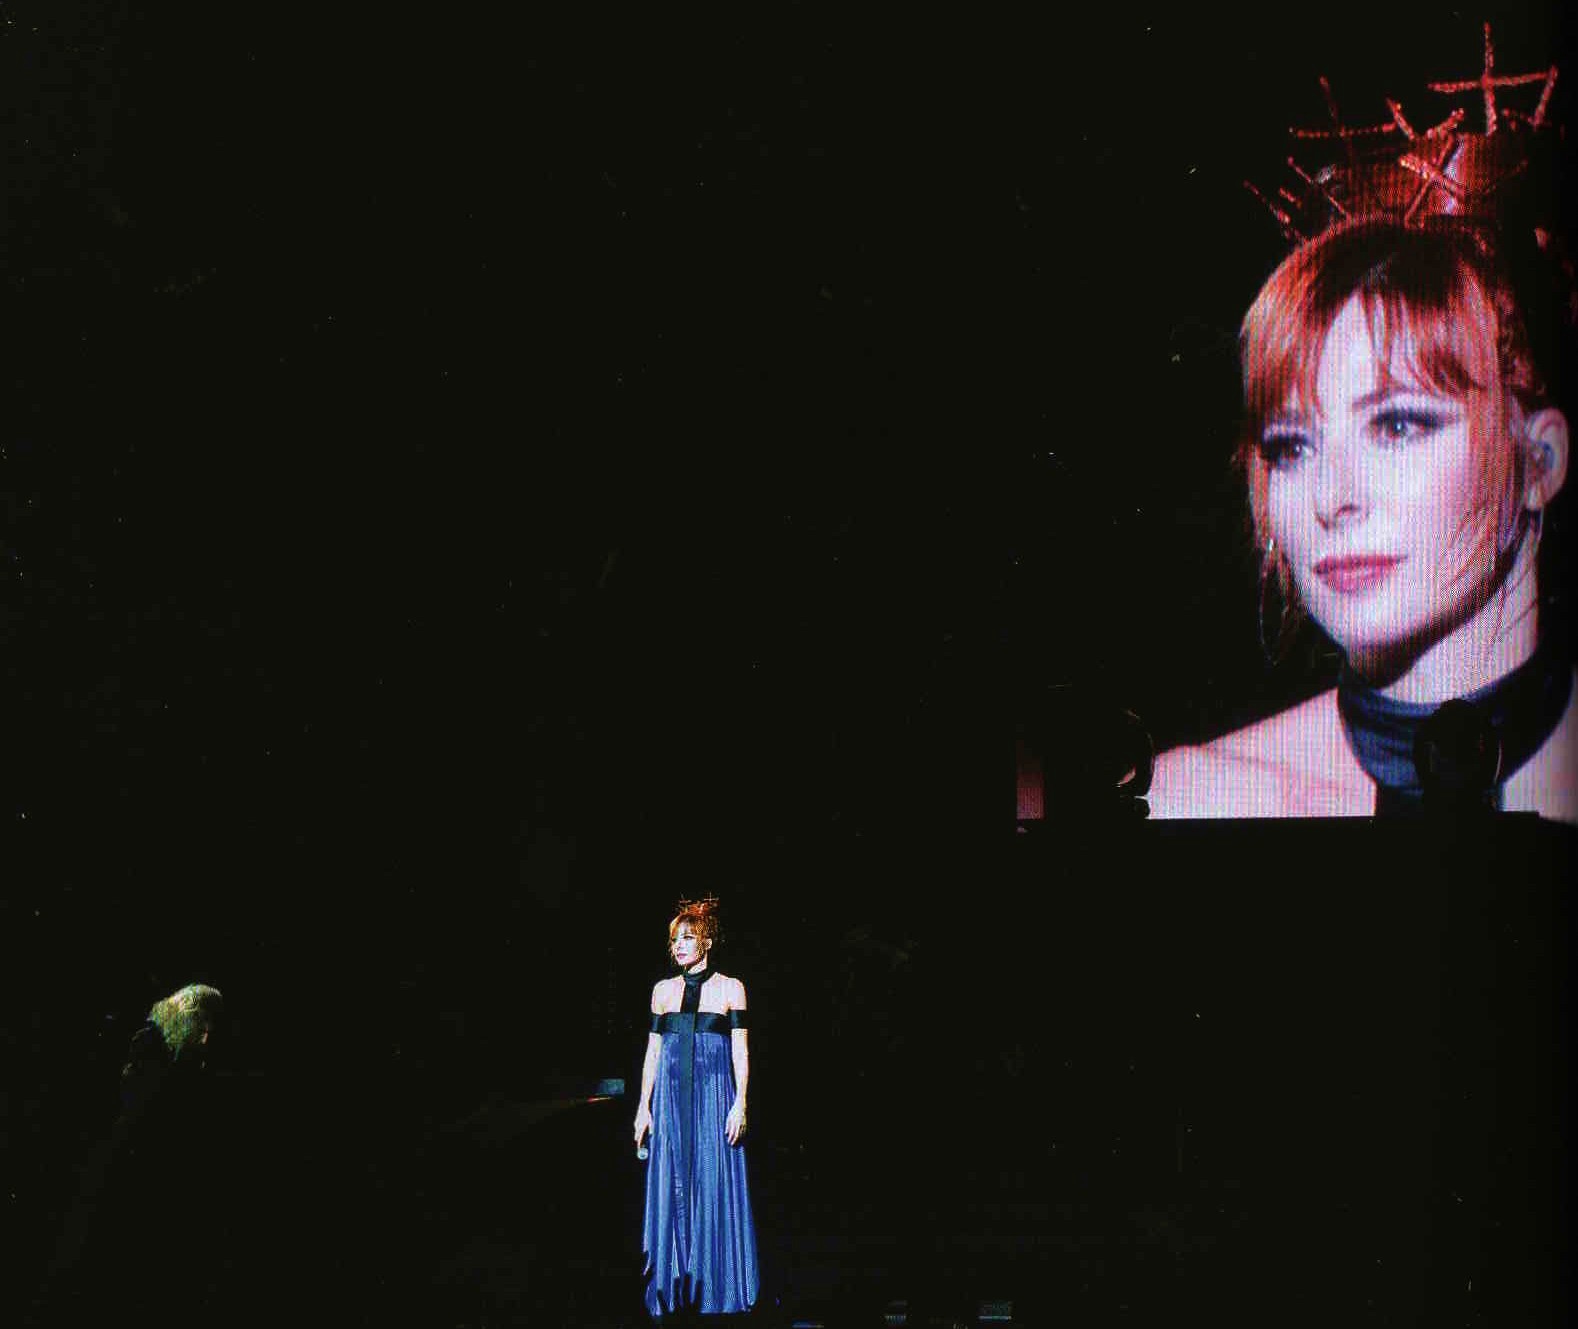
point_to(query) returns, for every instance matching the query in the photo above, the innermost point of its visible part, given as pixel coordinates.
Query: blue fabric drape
(698, 1238)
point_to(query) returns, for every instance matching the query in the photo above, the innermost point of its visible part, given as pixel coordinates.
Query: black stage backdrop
(472, 478)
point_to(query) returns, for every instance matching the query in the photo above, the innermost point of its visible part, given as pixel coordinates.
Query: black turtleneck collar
(691, 1001)
(1520, 709)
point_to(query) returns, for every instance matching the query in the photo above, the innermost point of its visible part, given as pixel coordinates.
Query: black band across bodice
(706, 1022)
(687, 1021)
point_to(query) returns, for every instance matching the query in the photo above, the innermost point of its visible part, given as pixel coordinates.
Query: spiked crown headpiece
(1417, 176)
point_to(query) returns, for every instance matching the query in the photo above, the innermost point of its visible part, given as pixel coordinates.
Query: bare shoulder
(1548, 782)
(1293, 763)
(661, 995)
(1217, 779)
(730, 991)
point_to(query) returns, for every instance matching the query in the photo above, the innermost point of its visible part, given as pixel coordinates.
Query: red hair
(702, 915)
(1438, 291)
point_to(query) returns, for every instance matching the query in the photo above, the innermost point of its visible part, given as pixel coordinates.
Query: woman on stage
(1401, 444)
(698, 1240)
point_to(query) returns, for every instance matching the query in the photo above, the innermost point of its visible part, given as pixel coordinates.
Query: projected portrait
(1402, 442)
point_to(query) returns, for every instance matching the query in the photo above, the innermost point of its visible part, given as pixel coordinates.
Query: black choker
(1500, 725)
(691, 999)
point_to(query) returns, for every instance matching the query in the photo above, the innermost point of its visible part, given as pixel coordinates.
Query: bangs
(1438, 317)
(701, 924)
(1431, 323)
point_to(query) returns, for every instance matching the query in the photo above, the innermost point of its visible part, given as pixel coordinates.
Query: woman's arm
(648, 1076)
(734, 1125)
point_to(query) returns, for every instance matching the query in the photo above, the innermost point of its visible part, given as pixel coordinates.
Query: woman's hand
(643, 1123)
(734, 1124)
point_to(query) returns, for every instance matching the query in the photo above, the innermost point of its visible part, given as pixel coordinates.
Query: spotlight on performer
(1458, 756)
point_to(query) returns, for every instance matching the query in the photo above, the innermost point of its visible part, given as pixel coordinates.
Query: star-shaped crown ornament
(1422, 176)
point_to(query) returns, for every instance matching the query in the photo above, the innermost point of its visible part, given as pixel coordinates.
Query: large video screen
(1335, 571)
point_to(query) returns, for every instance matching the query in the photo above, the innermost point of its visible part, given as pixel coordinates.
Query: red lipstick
(1356, 572)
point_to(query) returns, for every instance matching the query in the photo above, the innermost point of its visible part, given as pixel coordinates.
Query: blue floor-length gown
(698, 1240)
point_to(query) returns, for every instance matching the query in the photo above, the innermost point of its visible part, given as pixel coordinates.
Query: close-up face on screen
(1394, 498)
(1371, 494)
(537, 545)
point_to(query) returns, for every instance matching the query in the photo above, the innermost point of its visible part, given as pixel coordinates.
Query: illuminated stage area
(1161, 1089)
(1166, 1092)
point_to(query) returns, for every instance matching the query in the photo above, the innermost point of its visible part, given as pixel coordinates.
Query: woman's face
(687, 947)
(1372, 499)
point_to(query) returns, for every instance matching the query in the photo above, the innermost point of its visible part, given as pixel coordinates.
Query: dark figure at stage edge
(698, 1240)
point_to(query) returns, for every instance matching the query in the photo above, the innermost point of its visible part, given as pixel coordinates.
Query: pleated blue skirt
(698, 1240)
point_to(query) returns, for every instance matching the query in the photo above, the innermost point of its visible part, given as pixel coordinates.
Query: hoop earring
(1271, 573)
(1503, 554)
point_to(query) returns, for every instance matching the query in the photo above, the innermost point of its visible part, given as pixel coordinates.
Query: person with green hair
(156, 1176)
(187, 1018)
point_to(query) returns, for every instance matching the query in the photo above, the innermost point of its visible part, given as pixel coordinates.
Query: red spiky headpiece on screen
(1417, 176)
